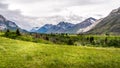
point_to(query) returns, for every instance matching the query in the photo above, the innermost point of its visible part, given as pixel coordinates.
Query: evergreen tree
(18, 32)
(91, 39)
(106, 40)
(7, 32)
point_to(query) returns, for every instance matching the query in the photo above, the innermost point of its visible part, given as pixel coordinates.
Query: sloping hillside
(21, 54)
(7, 24)
(110, 24)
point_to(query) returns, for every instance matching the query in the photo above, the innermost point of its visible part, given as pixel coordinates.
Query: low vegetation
(66, 39)
(22, 54)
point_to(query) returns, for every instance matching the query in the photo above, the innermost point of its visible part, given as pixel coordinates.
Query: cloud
(24, 22)
(48, 7)
(31, 13)
(3, 6)
(70, 2)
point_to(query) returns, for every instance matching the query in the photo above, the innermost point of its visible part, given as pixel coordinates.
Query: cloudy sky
(38, 10)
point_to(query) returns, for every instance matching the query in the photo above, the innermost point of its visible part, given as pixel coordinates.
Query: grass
(22, 54)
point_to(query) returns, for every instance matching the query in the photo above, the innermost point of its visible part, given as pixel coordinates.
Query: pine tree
(91, 39)
(106, 40)
(7, 32)
(18, 32)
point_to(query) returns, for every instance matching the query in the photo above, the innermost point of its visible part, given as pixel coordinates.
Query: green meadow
(23, 54)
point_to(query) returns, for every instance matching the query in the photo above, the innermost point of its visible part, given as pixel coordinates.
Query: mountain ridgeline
(7, 24)
(65, 27)
(110, 24)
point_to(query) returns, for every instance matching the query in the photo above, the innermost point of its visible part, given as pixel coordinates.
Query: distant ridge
(7, 24)
(110, 24)
(66, 27)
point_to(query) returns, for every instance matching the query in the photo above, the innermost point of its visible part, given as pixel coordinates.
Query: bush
(70, 42)
(25, 38)
(115, 43)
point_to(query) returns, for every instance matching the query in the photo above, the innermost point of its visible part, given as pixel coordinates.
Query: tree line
(65, 39)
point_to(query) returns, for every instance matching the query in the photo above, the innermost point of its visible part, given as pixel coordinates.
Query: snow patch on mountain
(94, 23)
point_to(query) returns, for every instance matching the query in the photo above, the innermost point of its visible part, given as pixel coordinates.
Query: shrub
(70, 42)
(115, 43)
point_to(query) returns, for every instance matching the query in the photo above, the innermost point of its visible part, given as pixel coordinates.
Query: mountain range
(109, 24)
(7, 24)
(65, 27)
(81, 27)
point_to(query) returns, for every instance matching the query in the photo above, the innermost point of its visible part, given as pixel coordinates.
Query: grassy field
(22, 54)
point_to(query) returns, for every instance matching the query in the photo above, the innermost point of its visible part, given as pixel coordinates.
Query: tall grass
(22, 54)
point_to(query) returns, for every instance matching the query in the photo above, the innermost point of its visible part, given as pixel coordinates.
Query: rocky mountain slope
(110, 24)
(7, 24)
(60, 28)
(44, 29)
(81, 27)
(66, 27)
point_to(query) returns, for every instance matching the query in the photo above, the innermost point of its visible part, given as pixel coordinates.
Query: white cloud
(22, 21)
(49, 7)
(26, 12)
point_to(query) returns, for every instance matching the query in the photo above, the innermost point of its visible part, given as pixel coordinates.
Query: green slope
(21, 54)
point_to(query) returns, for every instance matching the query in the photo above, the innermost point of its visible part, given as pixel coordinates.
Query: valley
(59, 34)
(18, 53)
